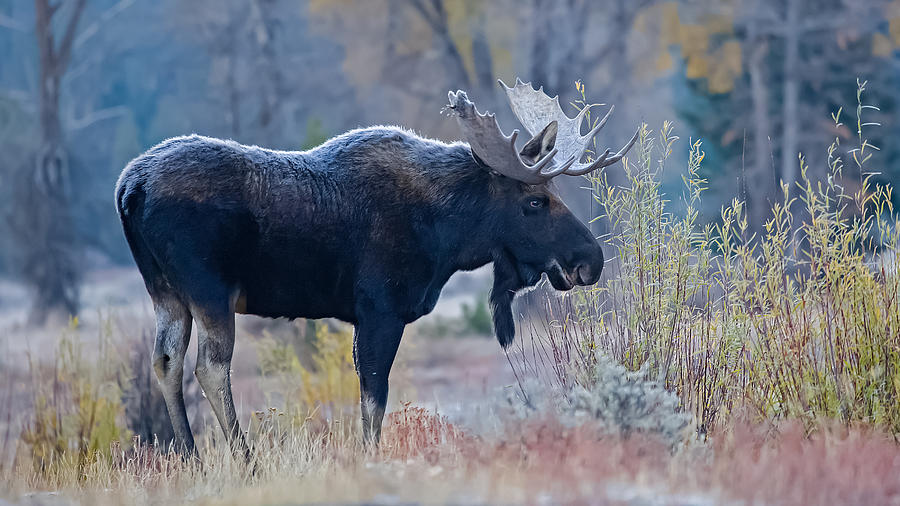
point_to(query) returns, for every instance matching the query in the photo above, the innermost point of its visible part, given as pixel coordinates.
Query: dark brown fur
(366, 228)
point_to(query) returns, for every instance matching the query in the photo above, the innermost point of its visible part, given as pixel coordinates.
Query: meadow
(711, 365)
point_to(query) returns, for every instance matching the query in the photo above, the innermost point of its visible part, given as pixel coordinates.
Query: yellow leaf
(894, 29)
(730, 56)
(697, 67)
(719, 24)
(694, 40)
(669, 33)
(881, 45)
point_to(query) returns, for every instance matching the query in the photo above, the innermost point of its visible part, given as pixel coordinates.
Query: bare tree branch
(96, 116)
(107, 15)
(42, 15)
(419, 5)
(437, 20)
(65, 47)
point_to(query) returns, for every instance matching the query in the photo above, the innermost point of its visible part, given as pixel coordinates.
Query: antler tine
(588, 167)
(584, 110)
(600, 124)
(539, 166)
(493, 147)
(626, 147)
(604, 160)
(559, 170)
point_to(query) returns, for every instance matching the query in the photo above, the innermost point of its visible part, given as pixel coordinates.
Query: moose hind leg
(215, 335)
(173, 333)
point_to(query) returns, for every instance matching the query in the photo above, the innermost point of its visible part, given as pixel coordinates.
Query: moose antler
(534, 109)
(498, 150)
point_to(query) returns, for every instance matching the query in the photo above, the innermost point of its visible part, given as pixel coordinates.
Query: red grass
(414, 432)
(835, 466)
(753, 464)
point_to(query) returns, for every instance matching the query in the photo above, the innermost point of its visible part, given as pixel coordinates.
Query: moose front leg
(375, 343)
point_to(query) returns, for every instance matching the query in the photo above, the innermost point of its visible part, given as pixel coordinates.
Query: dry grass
(426, 459)
(547, 456)
(320, 389)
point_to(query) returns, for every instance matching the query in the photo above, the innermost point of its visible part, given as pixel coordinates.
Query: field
(453, 436)
(709, 366)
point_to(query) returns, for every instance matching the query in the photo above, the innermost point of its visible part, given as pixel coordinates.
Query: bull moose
(366, 228)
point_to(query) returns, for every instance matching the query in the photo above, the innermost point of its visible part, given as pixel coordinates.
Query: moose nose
(588, 267)
(586, 275)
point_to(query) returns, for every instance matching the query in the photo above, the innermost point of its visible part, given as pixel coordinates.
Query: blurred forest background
(86, 85)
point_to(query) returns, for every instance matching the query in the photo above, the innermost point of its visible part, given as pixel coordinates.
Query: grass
(711, 365)
(424, 458)
(323, 388)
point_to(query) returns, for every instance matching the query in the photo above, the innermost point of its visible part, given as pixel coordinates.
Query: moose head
(537, 233)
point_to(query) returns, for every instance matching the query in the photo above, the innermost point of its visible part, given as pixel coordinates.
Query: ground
(445, 440)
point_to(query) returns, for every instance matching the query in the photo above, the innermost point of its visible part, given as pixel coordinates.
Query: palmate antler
(539, 114)
(534, 109)
(498, 150)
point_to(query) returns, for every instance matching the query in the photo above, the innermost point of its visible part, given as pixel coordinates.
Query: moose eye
(535, 204)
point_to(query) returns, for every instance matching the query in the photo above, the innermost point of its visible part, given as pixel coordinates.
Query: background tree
(796, 62)
(756, 81)
(44, 226)
(266, 70)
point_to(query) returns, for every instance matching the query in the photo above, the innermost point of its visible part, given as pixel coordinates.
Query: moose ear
(540, 144)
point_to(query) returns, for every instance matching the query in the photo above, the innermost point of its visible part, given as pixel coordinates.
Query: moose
(365, 228)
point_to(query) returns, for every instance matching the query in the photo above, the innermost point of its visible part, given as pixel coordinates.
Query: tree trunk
(482, 60)
(617, 91)
(47, 232)
(271, 89)
(233, 92)
(539, 68)
(789, 152)
(757, 183)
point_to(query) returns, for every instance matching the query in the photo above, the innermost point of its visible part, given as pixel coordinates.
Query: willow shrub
(800, 321)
